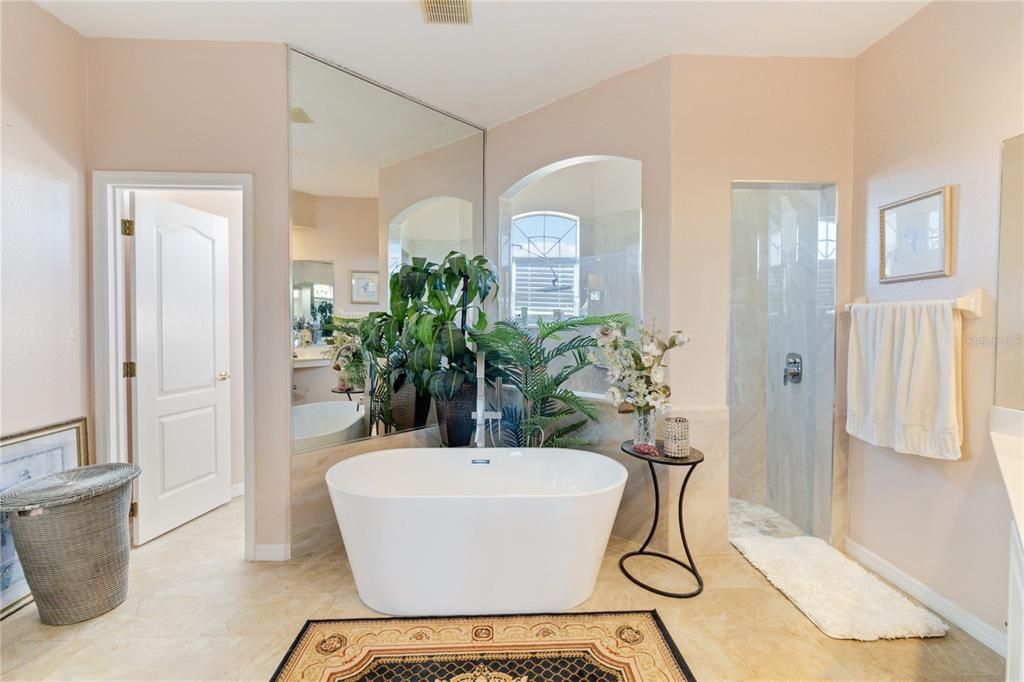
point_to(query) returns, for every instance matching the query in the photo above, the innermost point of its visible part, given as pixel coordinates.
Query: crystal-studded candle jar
(677, 437)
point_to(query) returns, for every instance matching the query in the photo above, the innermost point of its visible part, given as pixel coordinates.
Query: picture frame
(23, 456)
(915, 237)
(365, 287)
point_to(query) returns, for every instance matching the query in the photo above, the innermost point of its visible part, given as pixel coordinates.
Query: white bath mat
(840, 597)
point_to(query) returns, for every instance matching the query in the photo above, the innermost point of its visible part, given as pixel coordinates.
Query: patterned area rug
(620, 646)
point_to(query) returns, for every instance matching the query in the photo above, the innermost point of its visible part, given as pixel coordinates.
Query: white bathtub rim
(357, 413)
(442, 614)
(621, 478)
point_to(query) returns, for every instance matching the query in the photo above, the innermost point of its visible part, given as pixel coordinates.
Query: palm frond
(522, 358)
(581, 405)
(512, 427)
(566, 442)
(577, 343)
(546, 330)
(567, 430)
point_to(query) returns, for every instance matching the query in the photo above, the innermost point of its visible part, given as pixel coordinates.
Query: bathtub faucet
(481, 415)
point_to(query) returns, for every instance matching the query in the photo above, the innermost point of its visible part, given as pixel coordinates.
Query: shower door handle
(793, 372)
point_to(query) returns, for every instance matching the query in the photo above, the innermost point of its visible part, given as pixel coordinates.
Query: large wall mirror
(1010, 322)
(378, 179)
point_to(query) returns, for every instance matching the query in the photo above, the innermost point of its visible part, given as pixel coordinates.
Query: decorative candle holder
(677, 437)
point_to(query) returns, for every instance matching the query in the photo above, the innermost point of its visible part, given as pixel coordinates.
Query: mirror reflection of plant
(347, 355)
(382, 334)
(324, 314)
(550, 415)
(441, 360)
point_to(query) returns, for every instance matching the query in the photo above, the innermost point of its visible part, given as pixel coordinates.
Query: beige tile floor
(196, 611)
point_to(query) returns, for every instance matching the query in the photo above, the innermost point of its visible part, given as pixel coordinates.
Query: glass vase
(644, 427)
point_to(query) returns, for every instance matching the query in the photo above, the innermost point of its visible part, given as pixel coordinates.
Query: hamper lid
(65, 487)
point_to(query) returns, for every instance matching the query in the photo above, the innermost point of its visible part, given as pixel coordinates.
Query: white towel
(903, 378)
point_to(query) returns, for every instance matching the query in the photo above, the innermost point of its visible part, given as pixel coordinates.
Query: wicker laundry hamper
(71, 534)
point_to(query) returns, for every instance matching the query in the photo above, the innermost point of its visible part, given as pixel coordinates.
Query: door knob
(223, 376)
(793, 372)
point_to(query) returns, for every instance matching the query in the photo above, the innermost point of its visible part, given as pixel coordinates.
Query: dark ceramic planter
(455, 417)
(409, 410)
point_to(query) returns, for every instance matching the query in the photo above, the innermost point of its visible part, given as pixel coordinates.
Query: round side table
(691, 461)
(348, 392)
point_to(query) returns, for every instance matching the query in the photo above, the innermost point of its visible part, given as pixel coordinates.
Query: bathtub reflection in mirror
(377, 179)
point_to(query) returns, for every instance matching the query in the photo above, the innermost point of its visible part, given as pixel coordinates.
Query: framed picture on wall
(915, 237)
(365, 287)
(24, 456)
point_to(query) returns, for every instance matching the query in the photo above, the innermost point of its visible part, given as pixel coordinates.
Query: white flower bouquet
(636, 369)
(347, 355)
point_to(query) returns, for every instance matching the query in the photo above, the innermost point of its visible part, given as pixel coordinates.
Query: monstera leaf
(413, 278)
(444, 384)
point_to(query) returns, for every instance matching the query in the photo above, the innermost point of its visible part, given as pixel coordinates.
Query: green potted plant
(548, 414)
(441, 360)
(324, 314)
(398, 399)
(347, 358)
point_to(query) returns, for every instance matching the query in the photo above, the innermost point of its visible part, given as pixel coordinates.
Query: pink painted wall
(342, 230)
(628, 116)
(452, 170)
(741, 118)
(934, 100)
(44, 361)
(696, 123)
(216, 107)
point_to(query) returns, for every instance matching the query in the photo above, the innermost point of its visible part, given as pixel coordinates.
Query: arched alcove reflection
(570, 237)
(569, 243)
(430, 228)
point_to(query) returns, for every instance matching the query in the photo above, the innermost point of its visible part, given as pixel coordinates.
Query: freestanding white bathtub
(466, 531)
(321, 425)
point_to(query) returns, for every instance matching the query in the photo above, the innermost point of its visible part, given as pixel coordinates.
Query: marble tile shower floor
(196, 611)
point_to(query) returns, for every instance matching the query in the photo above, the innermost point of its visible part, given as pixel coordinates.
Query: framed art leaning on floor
(24, 456)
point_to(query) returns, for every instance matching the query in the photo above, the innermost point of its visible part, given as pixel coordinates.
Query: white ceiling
(517, 55)
(356, 130)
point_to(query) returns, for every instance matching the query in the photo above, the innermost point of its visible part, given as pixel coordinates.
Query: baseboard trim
(238, 490)
(968, 622)
(272, 553)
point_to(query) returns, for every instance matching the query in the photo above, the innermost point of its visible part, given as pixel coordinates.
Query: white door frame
(108, 312)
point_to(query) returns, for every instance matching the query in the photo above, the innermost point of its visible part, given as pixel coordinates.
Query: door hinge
(133, 510)
(128, 370)
(127, 227)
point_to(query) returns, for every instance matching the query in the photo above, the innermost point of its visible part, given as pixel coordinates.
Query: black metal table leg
(689, 564)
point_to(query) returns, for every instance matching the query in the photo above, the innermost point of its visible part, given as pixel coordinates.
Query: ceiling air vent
(446, 11)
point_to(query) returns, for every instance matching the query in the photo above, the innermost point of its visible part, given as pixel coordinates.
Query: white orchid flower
(651, 348)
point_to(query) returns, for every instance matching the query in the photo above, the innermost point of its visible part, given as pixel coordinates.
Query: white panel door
(180, 344)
